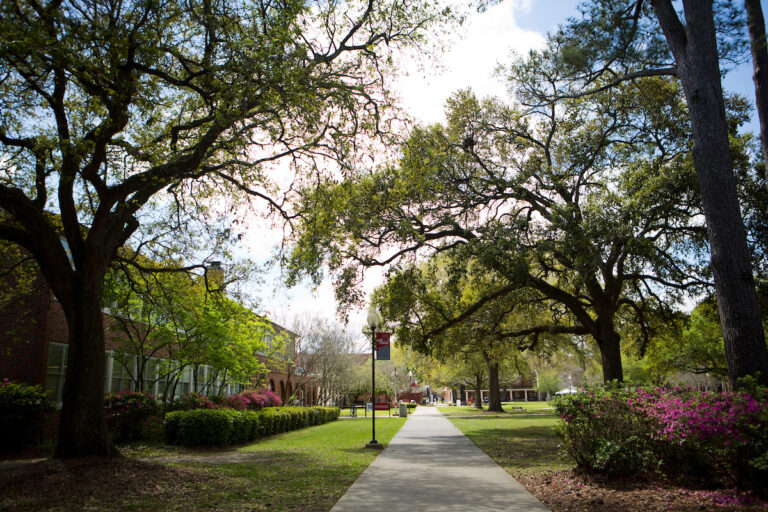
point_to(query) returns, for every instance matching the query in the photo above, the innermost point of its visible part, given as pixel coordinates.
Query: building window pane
(123, 369)
(150, 376)
(56, 370)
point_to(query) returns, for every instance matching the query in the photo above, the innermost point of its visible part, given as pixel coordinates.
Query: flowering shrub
(237, 402)
(189, 402)
(710, 436)
(22, 414)
(130, 413)
(261, 399)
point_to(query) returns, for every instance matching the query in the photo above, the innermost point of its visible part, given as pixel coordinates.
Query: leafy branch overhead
(591, 203)
(128, 122)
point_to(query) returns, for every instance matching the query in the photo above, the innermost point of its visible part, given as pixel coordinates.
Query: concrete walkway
(430, 466)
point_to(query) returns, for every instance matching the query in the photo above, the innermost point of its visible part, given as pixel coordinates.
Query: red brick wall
(23, 347)
(29, 326)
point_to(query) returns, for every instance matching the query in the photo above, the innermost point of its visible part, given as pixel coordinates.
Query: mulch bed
(567, 491)
(83, 483)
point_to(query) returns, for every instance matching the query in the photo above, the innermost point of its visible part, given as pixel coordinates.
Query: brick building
(34, 343)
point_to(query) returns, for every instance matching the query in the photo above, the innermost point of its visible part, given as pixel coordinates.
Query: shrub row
(711, 437)
(133, 416)
(220, 427)
(23, 410)
(251, 399)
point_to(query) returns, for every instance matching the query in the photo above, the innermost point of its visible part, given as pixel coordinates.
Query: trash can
(403, 410)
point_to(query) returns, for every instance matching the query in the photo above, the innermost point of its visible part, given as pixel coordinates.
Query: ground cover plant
(528, 447)
(304, 470)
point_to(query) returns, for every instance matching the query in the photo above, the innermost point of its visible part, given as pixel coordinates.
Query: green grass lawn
(520, 443)
(303, 470)
(507, 406)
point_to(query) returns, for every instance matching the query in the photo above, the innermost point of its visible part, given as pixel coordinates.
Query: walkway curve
(430, 466)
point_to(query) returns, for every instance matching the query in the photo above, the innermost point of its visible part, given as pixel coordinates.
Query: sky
(471, 56)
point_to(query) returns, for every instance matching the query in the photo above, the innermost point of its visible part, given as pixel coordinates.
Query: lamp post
(374, 321)
(394, 383)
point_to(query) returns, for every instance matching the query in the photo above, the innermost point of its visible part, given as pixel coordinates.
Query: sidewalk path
(430, 466)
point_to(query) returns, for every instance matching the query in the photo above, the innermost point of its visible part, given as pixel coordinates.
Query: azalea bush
(259, 399)
(190, 401)
(23, 409)
(253, 400)
(132, 415)
(236, 402)
(714, 437)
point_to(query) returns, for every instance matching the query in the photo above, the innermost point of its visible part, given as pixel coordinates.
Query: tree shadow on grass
(526, 448)
(77, 483)
(505, 416)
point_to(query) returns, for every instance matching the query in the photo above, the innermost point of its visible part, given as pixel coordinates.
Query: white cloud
(487, 40)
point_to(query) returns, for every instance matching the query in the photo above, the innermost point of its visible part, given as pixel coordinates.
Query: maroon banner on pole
(381, 406)
(382, 346)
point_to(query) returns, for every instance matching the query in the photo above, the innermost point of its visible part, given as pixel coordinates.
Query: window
(202, 379)
(123, 370)
(56, 370)
(185, 381)
(150, 376)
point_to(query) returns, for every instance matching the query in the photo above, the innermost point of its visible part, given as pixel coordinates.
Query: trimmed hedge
(221, 427)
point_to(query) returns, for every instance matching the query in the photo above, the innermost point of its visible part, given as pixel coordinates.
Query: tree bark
(609, 342)
(756, 27)
(695, 51)
(478, 384)
(494, 398)
(463, 394)
(83, 426)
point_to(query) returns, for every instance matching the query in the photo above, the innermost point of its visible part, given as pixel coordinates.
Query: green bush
(268, 421)
(131, 415)
(191, 401)
(601, 434)
(23, 410)
(221, 427)
(200, 427)
(713, 438)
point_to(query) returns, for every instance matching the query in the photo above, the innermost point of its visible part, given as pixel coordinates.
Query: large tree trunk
(756, 26)
(83, 427)
(478, 384)
(695, 50)
(494, 398)
(609, 342)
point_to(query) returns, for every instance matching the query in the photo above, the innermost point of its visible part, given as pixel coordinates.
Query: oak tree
(111, 110)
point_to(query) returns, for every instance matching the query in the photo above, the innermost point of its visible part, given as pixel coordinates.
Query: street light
(374, 321)
(394, 383)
